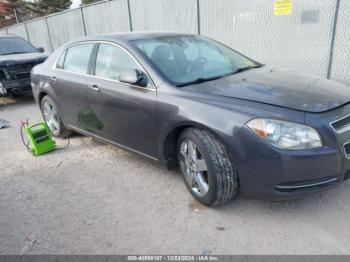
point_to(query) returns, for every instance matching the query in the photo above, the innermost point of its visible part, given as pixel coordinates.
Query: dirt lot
(93, 198)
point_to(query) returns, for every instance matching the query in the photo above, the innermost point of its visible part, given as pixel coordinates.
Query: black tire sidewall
(210, 197)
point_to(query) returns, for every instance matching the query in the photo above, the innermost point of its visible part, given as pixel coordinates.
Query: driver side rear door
(68, 80)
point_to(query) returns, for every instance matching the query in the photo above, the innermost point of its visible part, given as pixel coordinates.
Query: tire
(53, 119)
(220, 174)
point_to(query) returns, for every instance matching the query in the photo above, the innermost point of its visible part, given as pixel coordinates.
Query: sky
(75, 3)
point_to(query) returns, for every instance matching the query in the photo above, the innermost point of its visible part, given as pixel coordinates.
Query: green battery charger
(40, 139)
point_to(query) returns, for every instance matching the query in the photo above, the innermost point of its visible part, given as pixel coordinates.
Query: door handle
(53, 78)
(94, 88)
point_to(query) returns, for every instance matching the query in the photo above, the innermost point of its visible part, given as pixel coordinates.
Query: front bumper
(16, 86)
(271, 173)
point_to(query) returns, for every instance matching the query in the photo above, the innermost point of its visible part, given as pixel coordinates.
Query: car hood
(280, 88)
(8, 60)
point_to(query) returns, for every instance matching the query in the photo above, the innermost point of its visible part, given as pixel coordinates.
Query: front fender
(221, 116)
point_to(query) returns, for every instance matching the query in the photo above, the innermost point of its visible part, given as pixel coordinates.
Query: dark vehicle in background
(17, 58)
(231, 125)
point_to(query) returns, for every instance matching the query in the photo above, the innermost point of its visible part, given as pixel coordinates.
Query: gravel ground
(93, 198)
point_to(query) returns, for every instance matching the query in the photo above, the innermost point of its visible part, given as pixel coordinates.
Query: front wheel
(206, 167)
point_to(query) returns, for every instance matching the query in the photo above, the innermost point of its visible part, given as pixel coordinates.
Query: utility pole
(14, 11)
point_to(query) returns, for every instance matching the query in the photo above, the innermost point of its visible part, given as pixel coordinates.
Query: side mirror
(133, 77)
(41, 49)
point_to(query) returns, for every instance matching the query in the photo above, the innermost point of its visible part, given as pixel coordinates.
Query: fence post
(129, 13)
(198, 18)
(49, 34)
(83, 19)
(334, 31)
(25, 27)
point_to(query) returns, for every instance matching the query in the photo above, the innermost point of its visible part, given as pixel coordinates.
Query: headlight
(286, 135)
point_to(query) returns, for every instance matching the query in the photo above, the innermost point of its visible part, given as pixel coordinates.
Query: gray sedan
(230, 124)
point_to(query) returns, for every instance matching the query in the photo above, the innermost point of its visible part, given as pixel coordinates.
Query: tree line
(13, 11)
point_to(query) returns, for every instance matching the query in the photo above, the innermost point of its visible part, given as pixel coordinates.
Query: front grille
(23, 75)
(21, 67)
(19, 83)
(20, 71)
(341, 125)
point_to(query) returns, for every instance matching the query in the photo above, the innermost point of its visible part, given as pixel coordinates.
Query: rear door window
(77, 58)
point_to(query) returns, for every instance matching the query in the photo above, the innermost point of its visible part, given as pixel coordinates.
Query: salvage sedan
(230, 124)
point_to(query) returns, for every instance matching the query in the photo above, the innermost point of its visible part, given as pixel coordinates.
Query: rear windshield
(15, 45)
(183, 59)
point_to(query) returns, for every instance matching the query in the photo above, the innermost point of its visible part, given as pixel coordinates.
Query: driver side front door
(122, 113)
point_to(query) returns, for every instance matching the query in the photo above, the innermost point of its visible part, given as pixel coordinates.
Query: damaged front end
(15, 78)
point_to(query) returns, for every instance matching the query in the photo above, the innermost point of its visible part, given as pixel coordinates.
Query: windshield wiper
(200, 80)
(239, 70)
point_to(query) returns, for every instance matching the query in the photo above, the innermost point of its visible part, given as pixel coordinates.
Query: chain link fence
(313, 39)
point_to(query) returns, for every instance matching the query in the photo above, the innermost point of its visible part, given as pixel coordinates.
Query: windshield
(189, 59)
(15, 45)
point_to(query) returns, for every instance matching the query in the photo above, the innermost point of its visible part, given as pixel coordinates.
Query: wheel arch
(168, 150)
(47, 92)
(41, 96)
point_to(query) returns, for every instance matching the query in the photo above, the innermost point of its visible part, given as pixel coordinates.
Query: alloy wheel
(194, 168)
(51, 117)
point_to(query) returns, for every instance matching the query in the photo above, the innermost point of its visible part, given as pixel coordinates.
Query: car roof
(128, 36)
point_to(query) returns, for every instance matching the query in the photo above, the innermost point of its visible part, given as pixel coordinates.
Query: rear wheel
(206, 167)
(52, 118)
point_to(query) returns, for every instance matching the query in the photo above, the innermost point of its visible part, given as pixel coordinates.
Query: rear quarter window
(60, 61)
